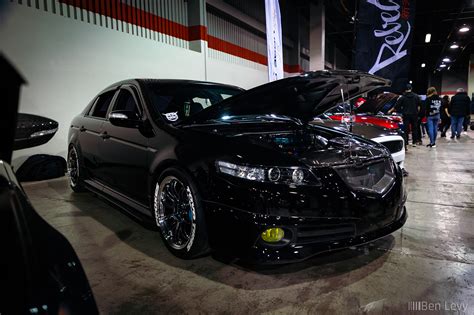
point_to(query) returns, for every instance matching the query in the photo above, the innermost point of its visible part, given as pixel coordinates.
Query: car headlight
(374, 177)
(270, 174)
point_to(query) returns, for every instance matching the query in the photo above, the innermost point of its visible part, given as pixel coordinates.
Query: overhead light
(442, 66)
(423, 65)
(410, 82)
(454, 46)
(447, 59)
(464, 29)
(427, 38)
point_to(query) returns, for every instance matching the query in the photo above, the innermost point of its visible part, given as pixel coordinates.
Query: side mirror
(33, 130)
(125, 118)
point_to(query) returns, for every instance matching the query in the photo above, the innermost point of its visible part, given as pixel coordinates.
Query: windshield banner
(383, 40)
(274, 41)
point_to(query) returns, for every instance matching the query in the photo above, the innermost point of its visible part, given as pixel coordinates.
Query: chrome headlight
(374, 177)
(269, 174)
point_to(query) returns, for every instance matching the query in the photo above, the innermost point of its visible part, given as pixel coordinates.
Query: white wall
(67, 62)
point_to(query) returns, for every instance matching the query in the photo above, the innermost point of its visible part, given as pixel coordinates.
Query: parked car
(246, 175)
(33, 130)
(338, 113)
(41, 272)
(392, 139)
(379, 105)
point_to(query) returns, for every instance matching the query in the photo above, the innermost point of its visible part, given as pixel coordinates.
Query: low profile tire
(75, 171)
(179, 214)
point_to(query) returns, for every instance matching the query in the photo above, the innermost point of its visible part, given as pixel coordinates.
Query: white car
(396, 145)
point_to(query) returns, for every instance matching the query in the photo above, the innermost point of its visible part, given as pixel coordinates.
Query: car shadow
(333, 270)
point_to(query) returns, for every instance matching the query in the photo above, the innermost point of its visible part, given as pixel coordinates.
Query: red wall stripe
(168, 27)
(232, 49)
(197, 32)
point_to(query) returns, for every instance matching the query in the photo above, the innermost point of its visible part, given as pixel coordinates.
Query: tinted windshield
(176, 102)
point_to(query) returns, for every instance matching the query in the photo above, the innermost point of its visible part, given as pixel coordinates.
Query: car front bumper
(305, 237)
(315, 218)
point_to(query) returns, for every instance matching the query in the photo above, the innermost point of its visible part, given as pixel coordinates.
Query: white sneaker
(433, 146)
(413, 145)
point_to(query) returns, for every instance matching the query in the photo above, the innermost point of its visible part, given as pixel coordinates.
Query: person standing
(459, 108)
(409, 105)
(422, 123)
(445, 117)
(433, 106)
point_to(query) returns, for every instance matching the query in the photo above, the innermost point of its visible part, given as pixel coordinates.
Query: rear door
(89, 131)
(123, 151)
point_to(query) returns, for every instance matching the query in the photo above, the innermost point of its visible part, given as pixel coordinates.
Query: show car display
(337, 113)
(379, 105)
(244, 173)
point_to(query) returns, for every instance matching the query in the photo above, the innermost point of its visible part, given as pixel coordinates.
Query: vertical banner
(274, 42)
(383, 39)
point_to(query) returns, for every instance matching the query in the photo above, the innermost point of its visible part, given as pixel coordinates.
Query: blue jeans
(456, 125)
(432, 123)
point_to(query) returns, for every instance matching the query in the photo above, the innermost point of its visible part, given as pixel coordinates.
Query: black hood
(311, 144)
(376, 103)
(304, 96)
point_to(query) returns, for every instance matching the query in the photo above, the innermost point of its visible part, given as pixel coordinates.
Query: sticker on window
(173, 116)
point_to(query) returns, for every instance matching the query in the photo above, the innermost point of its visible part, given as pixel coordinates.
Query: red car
(363, 118)
(368, 112)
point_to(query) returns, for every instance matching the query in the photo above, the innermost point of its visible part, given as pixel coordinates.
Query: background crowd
(433, 114)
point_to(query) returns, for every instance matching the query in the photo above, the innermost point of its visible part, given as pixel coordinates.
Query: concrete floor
(431, 259)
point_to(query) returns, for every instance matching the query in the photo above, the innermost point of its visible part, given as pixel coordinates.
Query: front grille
(324, 233)
(393, 146)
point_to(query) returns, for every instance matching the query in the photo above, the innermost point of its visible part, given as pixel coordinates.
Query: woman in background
(433, 106)
(445, 117)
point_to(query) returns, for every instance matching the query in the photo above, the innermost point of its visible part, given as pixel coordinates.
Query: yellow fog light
(273, 235)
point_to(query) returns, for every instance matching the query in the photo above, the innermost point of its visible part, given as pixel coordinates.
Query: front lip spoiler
(254, 257)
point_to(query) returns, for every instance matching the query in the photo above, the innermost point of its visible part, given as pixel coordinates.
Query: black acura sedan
(243, 173)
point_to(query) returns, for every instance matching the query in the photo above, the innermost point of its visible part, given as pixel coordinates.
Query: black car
(39, 270)
(246, 175)
(33, 130)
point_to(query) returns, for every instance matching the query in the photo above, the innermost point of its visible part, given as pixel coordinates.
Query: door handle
(82, 129)
(104, 135)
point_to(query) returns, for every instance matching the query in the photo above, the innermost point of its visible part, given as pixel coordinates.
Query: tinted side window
(102, 105)
(179, 101)
(125, 101)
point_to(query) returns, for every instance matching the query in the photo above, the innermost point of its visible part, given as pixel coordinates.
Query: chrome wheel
(175, 212)
(73, 167)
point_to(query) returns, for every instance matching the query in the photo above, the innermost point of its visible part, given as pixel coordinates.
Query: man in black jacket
(459, 108)
(409, 105)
